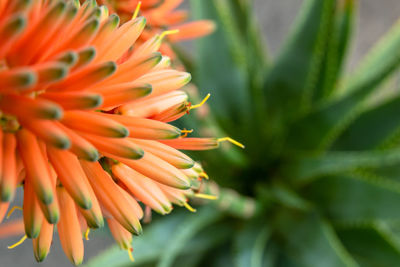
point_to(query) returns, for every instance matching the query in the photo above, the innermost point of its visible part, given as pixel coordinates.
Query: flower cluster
(84, 123)
(161, 15)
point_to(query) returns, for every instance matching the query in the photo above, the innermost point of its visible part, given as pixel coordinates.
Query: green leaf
(149, 247)
(372, 246)
(357, 198)
(355, 137)
(307, 168)
(250, 243)
(224, 74)
(337, 46)
(187, 229)
(320, 128)
(310, 242)
(291, 81)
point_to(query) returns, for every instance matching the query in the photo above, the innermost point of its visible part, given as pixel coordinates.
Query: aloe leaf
(224, 74)
(311, 241)
(291, 81)
(373, 246)
(308, 168)
(249, 245)
(356, 198)
(149, 247)
(337, 47)
(320, 128)
(187, 229)
(355, 137)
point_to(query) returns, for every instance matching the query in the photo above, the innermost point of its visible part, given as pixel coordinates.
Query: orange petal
(167, 153)
(174, 195)
(10, 30)
(136, 209)
(126, 36)
(71, 175)
(35, 165)
(165, 81)
(80, 146)
(69, 228)
(192, 143)
(146, 128)
(121, 236)
(41, 244)
(193, 30)
(33, 216)
(158, 170)
(85, 77)
(92, 123)
(36, 108)
(74, 100)
(143, 188)
(110, 197)
(131, 69)
(151, 106)
(8, 181)
(85, 56)
(119, 94)
(48, 131)
(106, 31)
(17, 80)
(119, 147)
(38, 34)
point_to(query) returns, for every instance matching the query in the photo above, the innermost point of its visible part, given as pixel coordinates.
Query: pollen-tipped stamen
(18, 243)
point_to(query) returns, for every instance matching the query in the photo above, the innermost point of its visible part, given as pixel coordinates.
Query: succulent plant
(319, 181)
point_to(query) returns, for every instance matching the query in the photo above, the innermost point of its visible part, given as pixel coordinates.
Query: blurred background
(275, 18)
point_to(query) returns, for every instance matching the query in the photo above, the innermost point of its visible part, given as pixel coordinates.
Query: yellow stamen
(130, 254)
(204, 196)
(12, 210)
(137, 10)
(231, 141)
(18, 243)
(204, 175)
(201, 103)
(186, 132)
(165, 33)
(188, 207)
(87, 234)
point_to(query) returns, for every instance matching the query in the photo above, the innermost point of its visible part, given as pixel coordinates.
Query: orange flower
(84, 117)
(161, 15)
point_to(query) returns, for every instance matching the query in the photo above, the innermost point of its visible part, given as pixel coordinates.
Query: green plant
(319, 179)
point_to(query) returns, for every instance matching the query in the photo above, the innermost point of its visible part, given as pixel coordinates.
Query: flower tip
(187, 77)
(6, 194)
(147, 89)
(91, 155)
(187, 163)
(183, 183)
(76, 261)
(53, 217)
(84, 202)
(96, 223)
(69, 58)
(47, 197)
(26, 79)
(63, 143)
(18, 23)
(40, 255)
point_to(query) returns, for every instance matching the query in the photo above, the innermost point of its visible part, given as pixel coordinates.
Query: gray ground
(275, 17)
